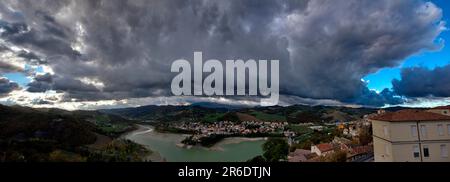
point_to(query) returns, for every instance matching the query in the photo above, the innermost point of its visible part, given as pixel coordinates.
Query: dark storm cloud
(38, 86)
(41, 102)
(372, 98)
(31, 57)
(46, 44)
(338, 43)
(324, 46)
(44, 78)
(41, 83)
(37, 31)
(7, 86)
(6, 67)
(423, 82)
(68, 84)
(10, 29)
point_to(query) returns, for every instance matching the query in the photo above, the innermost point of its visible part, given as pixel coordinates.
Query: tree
(336, 156)
(257, 159)
(365, 135)
(275, 149)
(306, 144)
(63, 156)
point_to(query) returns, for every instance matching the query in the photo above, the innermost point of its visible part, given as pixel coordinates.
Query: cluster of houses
(408, 135)
(355, 152)
(352, 129)
(230, 128)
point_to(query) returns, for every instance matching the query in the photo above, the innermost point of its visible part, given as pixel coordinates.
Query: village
(309, 142)
(337, 142)
(209, 133)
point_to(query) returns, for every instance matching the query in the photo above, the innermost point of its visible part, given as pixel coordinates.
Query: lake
(164, 146)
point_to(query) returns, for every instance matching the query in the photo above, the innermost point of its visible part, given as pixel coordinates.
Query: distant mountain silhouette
(220, 106)
(208, 111)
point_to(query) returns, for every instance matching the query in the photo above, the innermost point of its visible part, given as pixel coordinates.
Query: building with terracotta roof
(300, 155)
(322, 149)
(445, 110)
(411, 136)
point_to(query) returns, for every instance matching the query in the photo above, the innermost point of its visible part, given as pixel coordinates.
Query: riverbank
(165, 147)
(234, 140)
(142, 129)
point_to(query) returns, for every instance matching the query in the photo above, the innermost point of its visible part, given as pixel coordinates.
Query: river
(164, 147)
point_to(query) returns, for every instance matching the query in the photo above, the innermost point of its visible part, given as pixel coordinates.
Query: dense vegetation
(310, 137)
(275, 150)
(28, 134)
(119, 151)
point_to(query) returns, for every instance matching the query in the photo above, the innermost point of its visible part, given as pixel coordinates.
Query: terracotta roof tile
(325, 147)
(300, 152)
(299, 155)
(410, 115)
(442, 107)
(361, 149)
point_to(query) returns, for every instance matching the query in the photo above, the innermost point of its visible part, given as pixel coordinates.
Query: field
(268, 117)
(299, 129)
(211, 118)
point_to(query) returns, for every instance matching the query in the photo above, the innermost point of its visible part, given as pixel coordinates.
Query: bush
(275, 150)
(257, 159)
(337, 156)
(62, 156)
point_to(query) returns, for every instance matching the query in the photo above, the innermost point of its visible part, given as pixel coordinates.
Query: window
(444, 151)
(386, 148)
(448, 129)
(414, 130)
(440, 130)
(416, 151)
(423, 131)
(426, 151)
(385, 130)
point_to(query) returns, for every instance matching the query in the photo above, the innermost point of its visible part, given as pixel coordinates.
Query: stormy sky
(94, 53)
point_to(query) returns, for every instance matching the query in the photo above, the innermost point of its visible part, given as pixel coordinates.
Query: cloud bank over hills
(120, 50)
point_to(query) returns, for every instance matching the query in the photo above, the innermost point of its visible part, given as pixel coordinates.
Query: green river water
(164, 146)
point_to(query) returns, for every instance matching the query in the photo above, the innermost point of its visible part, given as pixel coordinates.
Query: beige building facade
(445, 110)
(411, 136)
